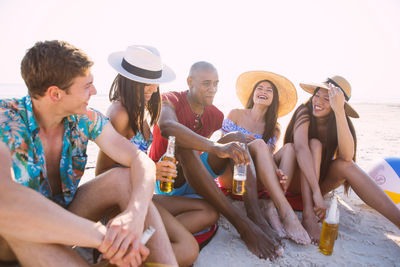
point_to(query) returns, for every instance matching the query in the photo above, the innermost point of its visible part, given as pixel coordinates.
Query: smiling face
(149, 90)
(320, 103)
(263, 94)
(203, 86)
(76, 98)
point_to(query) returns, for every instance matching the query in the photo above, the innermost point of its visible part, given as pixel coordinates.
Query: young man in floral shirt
(43, 141)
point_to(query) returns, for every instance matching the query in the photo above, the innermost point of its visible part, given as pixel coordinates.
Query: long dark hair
(271, 116)
(330, 143)
(131, 95)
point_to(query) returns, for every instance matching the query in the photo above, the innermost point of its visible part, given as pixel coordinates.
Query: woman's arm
(345, 138)
(120, 121)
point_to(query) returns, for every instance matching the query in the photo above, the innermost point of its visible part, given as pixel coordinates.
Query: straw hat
(338, 81)
(286, 90)
(141, 63)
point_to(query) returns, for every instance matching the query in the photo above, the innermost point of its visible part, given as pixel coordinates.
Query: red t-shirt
(211, 121)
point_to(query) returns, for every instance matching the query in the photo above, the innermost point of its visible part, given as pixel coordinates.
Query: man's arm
(186, 138)
(27, 215)
(127, 227)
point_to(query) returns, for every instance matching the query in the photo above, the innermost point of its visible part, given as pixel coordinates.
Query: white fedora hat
(141, 63)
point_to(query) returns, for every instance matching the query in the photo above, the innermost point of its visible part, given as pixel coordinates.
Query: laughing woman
(135, 95)
(267, 96)
(325, 143)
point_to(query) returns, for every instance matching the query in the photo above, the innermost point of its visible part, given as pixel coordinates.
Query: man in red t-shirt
(192, 119)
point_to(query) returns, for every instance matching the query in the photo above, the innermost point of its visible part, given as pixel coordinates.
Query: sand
(366, 238)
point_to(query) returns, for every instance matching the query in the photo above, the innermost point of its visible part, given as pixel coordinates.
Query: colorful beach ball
(386, 173)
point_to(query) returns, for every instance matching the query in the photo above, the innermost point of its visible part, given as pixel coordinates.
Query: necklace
(197, 117)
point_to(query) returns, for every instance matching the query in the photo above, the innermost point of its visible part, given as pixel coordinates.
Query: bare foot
(255, 215)
(294, 229)
(312, 228)
(270, 213)
(258, 242)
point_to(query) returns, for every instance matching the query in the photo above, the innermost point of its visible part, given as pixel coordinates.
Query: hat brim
(310, 88)
(286, 90)
(115, 60)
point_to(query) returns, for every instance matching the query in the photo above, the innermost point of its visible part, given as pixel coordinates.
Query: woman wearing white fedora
(325, 142)
(267, 96)
(135, 97)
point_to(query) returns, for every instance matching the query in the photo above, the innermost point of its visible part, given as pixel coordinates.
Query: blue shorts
(185, 190)
(204, 159)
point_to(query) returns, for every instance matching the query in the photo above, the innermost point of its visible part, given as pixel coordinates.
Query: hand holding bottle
(165, 169)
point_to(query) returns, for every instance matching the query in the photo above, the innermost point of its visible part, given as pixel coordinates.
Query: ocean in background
(370, 108)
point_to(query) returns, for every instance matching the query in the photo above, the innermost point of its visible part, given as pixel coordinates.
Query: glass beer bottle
(329, 231)
(166, 187)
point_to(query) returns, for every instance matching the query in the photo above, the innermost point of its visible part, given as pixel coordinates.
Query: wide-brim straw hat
(286, 90)
(141, 63)
(338, 81)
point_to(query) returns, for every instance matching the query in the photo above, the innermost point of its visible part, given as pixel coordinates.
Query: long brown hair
(330, 145)
(131, 95)
(272, 127)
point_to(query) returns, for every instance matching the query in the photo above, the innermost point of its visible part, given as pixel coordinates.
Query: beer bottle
(166, 187)
(329, 231)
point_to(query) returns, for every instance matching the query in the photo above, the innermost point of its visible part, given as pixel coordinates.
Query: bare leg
(183, 243)
(310, 221)
(111, 190)
(256, 208)
(194, 214)
(38, 255)
(29, 231)
(6, 253)
(267, 175)
(201, 181)
(363, 185)
(269, 211)
(250, 198)
(285, 158)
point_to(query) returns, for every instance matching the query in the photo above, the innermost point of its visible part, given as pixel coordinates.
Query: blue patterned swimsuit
(141, 142)
(229, 126)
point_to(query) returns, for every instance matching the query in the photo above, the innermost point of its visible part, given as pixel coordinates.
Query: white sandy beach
(365, 237)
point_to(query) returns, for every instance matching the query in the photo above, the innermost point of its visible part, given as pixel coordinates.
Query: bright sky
(306, 41)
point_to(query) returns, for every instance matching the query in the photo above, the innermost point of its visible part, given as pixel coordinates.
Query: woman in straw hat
(325, 143)
(135, 97)
(267, 96)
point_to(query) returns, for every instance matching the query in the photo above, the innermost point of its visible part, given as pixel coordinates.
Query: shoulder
(236, 114)
(216, 114)
(302, 113)
(119, 118)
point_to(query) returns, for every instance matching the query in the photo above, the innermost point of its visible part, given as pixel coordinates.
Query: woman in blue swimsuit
(136, 104)
(267, 96)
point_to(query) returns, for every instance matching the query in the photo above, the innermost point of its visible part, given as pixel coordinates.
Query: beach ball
(386, 174)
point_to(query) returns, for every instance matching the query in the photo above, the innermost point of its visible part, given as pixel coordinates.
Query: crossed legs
(92, 201)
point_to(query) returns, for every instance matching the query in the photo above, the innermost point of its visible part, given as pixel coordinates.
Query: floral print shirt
(19, 130)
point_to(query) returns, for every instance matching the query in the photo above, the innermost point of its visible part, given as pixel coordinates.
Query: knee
(233, 137)
(288, 148)
(189, 252)
(256, 146)
(211, 214)
(316, 145)
(118, 181)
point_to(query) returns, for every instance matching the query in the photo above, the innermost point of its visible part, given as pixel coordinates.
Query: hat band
(148, 74)
(337, 85)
